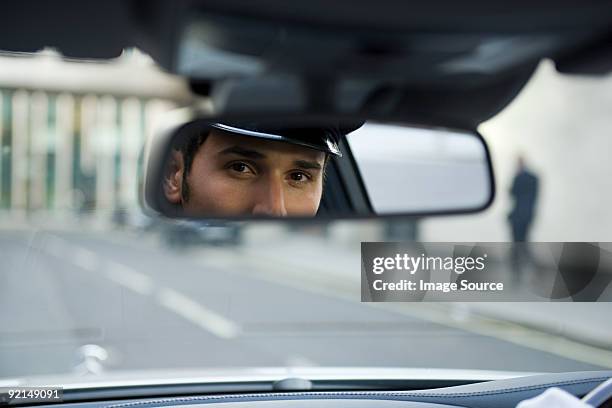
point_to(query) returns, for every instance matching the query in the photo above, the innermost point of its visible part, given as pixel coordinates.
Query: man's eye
(299, 176)
(240, 167)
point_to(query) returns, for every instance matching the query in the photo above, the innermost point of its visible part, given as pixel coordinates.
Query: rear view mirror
(313, 167)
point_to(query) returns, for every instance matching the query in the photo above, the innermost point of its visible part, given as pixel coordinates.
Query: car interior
(410, 67)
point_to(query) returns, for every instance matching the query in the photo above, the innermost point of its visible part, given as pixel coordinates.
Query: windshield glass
(90, 284)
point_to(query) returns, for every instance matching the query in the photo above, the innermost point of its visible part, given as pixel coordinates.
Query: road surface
(150, 307)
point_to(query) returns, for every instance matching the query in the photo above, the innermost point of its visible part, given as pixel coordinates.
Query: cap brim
(325, 141)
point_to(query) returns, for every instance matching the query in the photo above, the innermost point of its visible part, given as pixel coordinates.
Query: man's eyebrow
(244, 152)
(306, 164)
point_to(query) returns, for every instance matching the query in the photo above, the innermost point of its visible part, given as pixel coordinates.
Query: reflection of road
(153, 308)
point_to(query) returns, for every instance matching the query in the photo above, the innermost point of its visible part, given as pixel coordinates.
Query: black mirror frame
(158, 148)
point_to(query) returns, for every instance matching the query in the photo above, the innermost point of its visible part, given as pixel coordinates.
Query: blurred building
(72, 132)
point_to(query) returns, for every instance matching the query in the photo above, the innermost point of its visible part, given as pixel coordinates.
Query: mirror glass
(411, 169)
(271, 168)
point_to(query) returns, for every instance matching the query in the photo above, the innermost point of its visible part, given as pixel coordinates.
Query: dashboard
(504, 393)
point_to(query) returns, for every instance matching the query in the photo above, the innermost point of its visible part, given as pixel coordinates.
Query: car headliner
(391, 49)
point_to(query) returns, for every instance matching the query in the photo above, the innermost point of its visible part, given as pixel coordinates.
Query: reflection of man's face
(241, 175)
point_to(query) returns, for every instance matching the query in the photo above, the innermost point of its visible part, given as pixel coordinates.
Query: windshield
(90, 284)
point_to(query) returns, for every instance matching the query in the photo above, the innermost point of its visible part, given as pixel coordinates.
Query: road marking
(85, 259)
(171, 299)
(197, 313)
(174, 301)
(129, 278)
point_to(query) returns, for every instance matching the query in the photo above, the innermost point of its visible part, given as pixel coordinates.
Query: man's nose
(271, 200)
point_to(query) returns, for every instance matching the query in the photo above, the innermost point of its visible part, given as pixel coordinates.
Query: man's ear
(173, 177)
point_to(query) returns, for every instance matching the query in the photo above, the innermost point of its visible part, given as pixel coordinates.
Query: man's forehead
(221, 140)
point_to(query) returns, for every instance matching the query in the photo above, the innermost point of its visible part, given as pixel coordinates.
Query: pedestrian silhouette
(524, 191)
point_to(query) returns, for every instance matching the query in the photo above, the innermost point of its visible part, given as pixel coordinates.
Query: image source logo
(485, 272)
